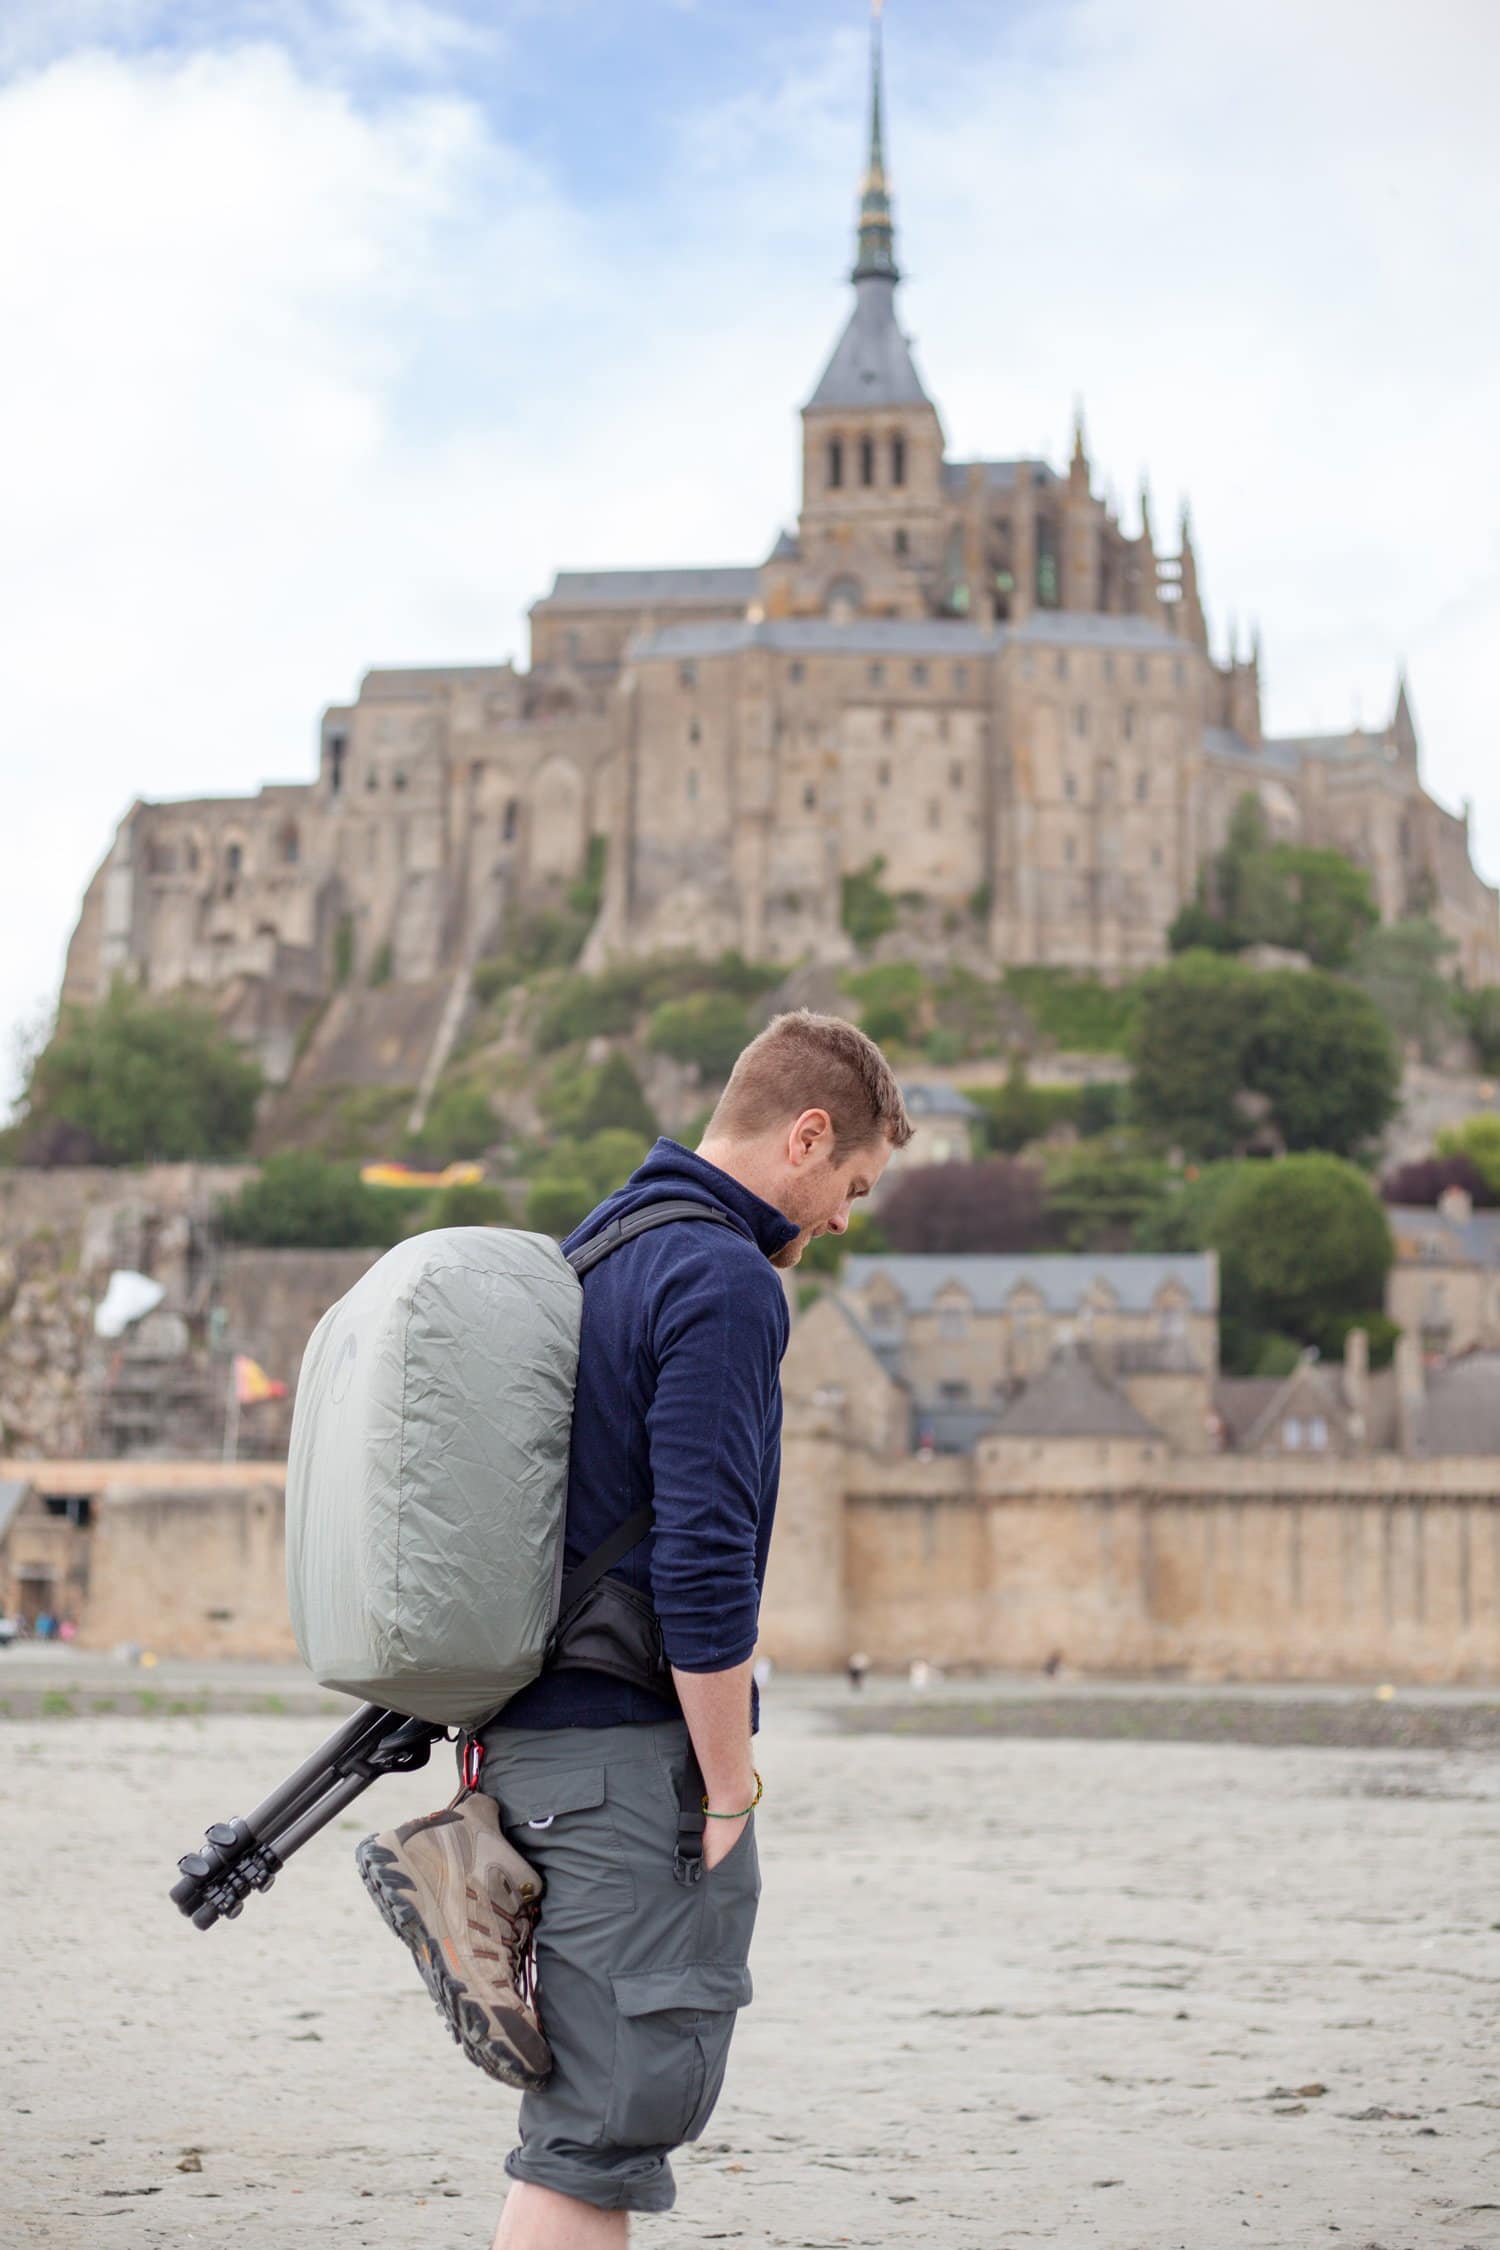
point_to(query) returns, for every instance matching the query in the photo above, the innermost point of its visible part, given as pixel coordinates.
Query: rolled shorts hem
(650, 2188)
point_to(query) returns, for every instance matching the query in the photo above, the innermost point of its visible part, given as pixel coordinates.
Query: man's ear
(812, 1128)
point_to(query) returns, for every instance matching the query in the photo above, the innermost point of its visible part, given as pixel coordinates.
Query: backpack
(427, 1476)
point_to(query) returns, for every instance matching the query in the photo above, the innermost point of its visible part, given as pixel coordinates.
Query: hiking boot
(466, 1904)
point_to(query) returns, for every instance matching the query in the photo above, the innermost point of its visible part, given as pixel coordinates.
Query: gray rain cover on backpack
(428, 1473)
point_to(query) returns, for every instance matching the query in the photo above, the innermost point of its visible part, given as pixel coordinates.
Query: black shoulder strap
(633, 1530)
(620, 1231)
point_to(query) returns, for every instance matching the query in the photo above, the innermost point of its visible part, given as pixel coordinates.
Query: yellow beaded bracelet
(760, 1790)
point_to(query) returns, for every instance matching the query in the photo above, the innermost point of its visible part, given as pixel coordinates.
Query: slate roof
(1076, 628)
(13, 1491)
(1461, 1411)
(939, 1101)
(1425, 1237)
(862, 636)
(1000, 476)
(640, 589)
(1070, 1398)
(1062, 1280)
(872, 363)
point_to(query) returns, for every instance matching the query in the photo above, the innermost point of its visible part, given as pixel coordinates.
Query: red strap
(471, 1761)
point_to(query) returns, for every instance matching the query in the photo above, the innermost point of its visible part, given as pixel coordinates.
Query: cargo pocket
(671, 2047)
(561, 1824)
(533, 1805)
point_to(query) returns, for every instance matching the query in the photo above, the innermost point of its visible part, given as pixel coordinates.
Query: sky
(331, 328)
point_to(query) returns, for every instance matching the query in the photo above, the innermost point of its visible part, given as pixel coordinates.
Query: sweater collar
(670, 1165)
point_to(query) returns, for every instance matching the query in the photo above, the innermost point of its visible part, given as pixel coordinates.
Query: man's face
(818, 1194)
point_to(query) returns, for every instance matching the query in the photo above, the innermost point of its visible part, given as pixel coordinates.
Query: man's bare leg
(537, 2218)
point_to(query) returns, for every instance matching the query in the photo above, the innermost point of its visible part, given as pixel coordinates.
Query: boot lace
(516, 1936)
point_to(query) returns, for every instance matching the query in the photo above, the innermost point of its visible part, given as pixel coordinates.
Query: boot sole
(467, 2019)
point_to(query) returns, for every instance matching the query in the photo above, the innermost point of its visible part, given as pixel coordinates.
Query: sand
(1134, 1994)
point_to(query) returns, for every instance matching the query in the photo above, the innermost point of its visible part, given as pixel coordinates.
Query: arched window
(845, 599)
(835, 463)
(234, 858)
(867, 460)
(898, 459)
(511, 821)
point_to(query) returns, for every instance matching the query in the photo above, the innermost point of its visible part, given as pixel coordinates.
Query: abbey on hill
(967, 670)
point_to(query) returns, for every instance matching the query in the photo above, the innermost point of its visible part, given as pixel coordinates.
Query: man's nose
(839, 1223)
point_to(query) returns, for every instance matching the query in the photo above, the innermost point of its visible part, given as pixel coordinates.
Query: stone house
(1444, 1287)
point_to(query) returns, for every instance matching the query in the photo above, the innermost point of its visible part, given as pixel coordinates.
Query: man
(679, 1404)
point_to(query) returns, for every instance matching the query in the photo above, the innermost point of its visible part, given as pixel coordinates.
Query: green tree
(1017, 1112)
(1402, 968)
(557, 1202)
(1098, 1195)
(1479, 1011)
(305, 1202)
(1304, 1246)
(867, 909)
(574, 1175)
(709, 1029)
(1186, 1216)
(1329, 903)
(1320, 1053)
(134, 1080)
(615, 1101)
(1193, 1024)
(891, 1000)
(1477, 1138)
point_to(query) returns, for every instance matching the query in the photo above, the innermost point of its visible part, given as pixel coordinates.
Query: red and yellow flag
(252, 1385)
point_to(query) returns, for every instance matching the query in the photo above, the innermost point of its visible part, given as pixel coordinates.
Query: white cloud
(297, 382)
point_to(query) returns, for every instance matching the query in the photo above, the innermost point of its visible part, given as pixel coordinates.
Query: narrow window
(883, 773)
(876, 674)
(887, 724)
(234, 859)
(1080, 718)
(960, 677)
(1127, 722)
(901, 543)
(1140, 671)
(1070, 786)
(867, 460)
(809, 798)
(512, 817)
(795, 671)
(955, 775)
(919, 675)
(898, 459)
(687, 674)
(835, 463)
(398, 779)
(1142, 786)
(695, 731)
(336, 749)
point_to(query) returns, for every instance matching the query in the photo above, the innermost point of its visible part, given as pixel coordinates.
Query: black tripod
(241, 1856)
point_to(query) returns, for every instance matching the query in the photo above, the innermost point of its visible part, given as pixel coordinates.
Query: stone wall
(191, 1572)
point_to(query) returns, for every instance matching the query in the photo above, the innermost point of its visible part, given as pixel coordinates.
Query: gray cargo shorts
(638, 1976)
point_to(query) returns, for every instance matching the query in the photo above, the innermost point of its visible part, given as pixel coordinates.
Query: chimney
(1357, 1386)
(1410, 1393)
(1456, 1205)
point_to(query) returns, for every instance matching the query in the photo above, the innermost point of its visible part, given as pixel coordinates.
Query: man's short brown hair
(802, 1061)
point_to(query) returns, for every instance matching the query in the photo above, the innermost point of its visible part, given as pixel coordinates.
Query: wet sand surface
(1129, 1993)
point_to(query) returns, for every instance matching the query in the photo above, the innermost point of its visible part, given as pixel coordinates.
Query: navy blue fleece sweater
(679, 1403)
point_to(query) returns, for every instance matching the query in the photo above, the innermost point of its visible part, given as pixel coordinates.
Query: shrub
(133, 1080)
(467, 1203)
(1074, 1010)
(1018, 1113)
(1479, 1012)
(557, 1203)
(891, 1000)
(343, 950)
(574, 1175)
(1097, 1197)
(867, 910)
(305, 1202)
(1101, 1107)
(615, 1101)
(460, 1123)
(1477, 1138)
(709, 1029)
(1402, 967)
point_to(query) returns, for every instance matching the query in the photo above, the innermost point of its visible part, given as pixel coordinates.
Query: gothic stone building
(970, 671)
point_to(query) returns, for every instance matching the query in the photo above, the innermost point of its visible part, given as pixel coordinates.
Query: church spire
(877, 234)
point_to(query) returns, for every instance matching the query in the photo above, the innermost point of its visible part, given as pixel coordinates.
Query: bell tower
(872, 444)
